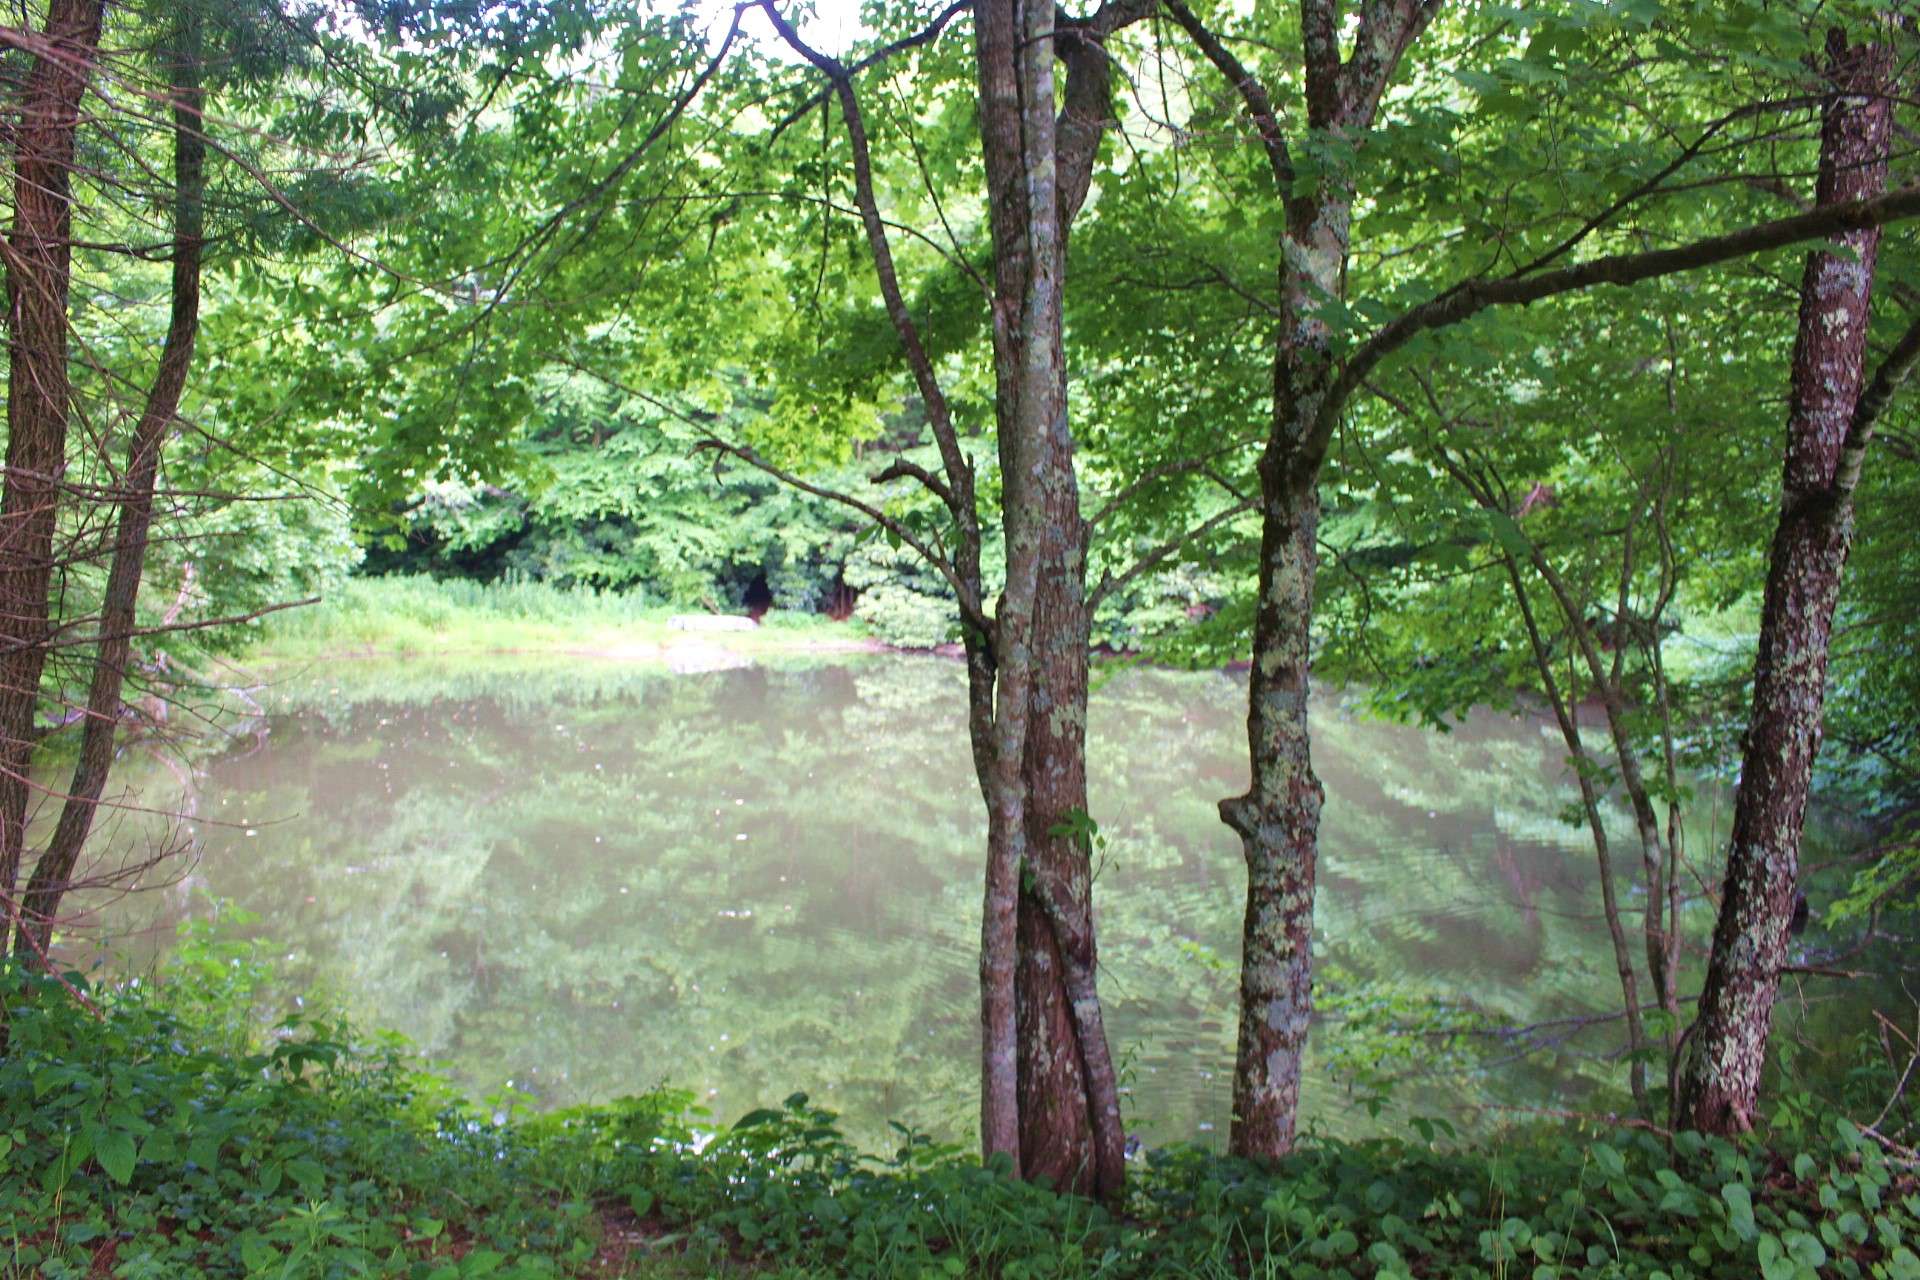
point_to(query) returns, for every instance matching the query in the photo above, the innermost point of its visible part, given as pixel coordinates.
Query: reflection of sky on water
(592, 879)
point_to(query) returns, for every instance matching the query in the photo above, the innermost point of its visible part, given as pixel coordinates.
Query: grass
(404, 616)
(166, 1132)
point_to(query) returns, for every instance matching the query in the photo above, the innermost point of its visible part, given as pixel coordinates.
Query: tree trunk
(1047, 1093)
(1563, 705)
(1065, 1104)
(39, 272)
(1278, 819)
(1069, 1096)
(1720, 1080)
(998, 38)
(52, 874)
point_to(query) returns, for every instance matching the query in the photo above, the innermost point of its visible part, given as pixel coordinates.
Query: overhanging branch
(1468, 299)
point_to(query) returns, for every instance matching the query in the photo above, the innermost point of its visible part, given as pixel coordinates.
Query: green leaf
(481, 1262)
(1739, 1210)
(256, 1254)
(114, 1151)
(1506, 531)
(204, 1151)
(1805, 1248)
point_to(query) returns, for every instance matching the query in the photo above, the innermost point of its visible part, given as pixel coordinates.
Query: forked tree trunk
(998, 42)
(1066, 1119)
(1278, 819)
(1048, 1098)
(1720, 1078)
(53, 873)
(39, 273)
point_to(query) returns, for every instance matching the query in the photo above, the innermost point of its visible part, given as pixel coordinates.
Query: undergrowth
(157, 1131)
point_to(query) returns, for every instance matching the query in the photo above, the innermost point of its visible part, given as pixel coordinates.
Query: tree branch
(970, 607)
(1872, 403)
(925, 35)
(1471, 297)
(959, 471)
(1253, 95)
(1152, 560)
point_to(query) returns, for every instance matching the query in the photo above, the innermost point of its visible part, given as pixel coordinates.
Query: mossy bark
(1719, 1080)
(1049, 1094)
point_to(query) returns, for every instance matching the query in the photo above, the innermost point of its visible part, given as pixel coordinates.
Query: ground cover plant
(162, 1128)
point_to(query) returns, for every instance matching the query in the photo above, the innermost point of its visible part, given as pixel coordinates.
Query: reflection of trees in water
(589, 879)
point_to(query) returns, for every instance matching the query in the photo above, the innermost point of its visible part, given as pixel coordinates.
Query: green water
(583, 879)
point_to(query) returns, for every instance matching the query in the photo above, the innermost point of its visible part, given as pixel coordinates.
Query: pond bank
(170, 1134)
(404, 617)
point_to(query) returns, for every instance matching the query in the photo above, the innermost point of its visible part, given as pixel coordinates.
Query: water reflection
(590, 879)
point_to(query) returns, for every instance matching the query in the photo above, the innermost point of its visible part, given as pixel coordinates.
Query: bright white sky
(834, 27)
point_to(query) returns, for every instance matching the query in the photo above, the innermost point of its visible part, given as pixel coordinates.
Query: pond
(579, 879)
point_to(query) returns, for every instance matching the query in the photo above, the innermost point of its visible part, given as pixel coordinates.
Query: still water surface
(586, 879)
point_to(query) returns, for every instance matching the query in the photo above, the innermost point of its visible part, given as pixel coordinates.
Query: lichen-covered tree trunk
(1056, 1133)
(1720, 1079)
(998, 38)
(39, 273)
(53, 872)
(1278, 821)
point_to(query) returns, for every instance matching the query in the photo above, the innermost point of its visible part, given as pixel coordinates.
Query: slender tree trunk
(39, 273)
(54, 870)
(1720, 1079)
(997, 40)
(1278, 818)
(1583, 771)
(1048, 1099)
(1278, 821)
(1653, 850)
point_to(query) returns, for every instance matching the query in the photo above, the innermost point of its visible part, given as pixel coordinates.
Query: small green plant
(154, 1133)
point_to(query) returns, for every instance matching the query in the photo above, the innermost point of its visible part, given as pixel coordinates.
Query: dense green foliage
(165, 1131)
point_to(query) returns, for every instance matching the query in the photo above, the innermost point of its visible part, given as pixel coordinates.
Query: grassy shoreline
(409, 617)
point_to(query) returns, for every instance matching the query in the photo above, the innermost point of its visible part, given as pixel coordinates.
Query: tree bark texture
(1720, 1078)
(1278, 818)
(1039, 168)
(1048, 1098)
(998, 38)
(39, 274)
(53, 872)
